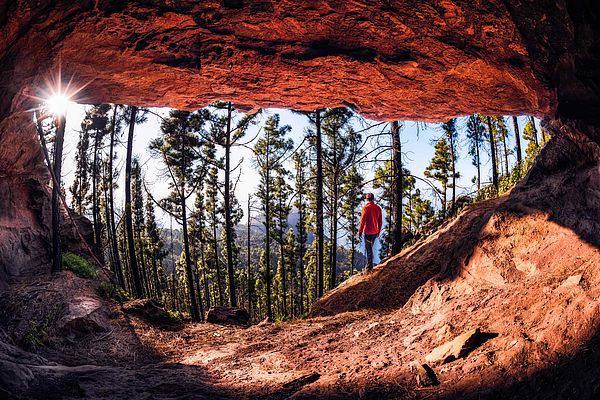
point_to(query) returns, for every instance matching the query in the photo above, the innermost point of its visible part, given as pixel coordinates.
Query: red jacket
(370, 219)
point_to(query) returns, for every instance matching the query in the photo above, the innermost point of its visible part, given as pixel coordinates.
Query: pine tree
(491, 135)
(384, 180)
(338, 156)
(227, 129)
(132, 119)
(502, 132)
(96, 120)
(81, 184)
(419, 211)
(530, 134)
(214, 212)
(475, 138)
(155, 247)
(300, 164)
(139, 221)
(179, 148)
(60, 123)
(269, 153)
(289, 259)
(451, 137)
(281, 210)
(114, 131)
(351, 200)
(517, 141)
(198, 237)
(317, 203)
(533, 133)
(398, 178)
(440, 169)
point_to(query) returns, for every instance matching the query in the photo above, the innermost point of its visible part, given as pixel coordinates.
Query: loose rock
(228, 315)
(424, 375)
(457, 348)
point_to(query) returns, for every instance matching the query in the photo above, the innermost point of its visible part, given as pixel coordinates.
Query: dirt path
(522, 270)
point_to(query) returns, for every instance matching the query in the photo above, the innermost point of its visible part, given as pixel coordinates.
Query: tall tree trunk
(111, 203)
(142, 265)
(199, 290)
(505, 149)
(334, 228)
(137, 285)
(282, 257)
(352, 252)
(397, 190)
(268, 239)
(477, 133)
(517, 139)
(195, 312)
(248, 261)
(205, 280)
(319, 201)
(217, 263)
(109, 231)
(302, 251)
(228, 221)
(493, 148)
(453, 159)
(444, 195)
(155, 274)
(534, 133)
(95, 199)
(334, 214)
(57, 170)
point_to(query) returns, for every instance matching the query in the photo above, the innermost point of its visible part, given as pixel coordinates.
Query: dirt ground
(523, 269)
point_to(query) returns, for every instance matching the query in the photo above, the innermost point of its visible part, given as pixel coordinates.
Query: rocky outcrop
(227, 315)
(152, 312)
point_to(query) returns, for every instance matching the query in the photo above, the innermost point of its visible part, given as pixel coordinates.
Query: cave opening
(498, 298)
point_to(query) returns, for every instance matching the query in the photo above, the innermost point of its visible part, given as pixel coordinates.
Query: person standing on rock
(370, 225)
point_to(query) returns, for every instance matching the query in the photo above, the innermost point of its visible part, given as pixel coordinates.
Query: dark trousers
(369, 241)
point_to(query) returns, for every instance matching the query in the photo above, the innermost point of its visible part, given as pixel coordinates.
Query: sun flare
(58, 97)
(58, 104)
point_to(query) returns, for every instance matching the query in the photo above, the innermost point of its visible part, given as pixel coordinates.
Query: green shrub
(37, 335)
(79, 265)
(175, 316)
(281, 318)
(111, 292)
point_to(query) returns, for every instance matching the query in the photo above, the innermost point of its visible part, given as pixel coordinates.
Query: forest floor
(516, 278)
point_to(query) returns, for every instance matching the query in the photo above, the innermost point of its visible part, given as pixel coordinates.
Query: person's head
(370, 197)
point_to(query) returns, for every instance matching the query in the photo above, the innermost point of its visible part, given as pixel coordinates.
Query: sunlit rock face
(387, 59)
(427, 60)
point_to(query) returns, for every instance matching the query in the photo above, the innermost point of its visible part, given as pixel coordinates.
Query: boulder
(150, 311)
(228, 315)
(84, 315)
(459, 347)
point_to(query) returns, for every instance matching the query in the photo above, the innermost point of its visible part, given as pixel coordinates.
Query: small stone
(570, 282)
(424, 375)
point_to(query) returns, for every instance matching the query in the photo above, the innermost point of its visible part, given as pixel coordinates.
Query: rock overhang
(422, 60)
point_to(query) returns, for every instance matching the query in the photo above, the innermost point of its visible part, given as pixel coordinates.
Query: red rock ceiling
(407, 59)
